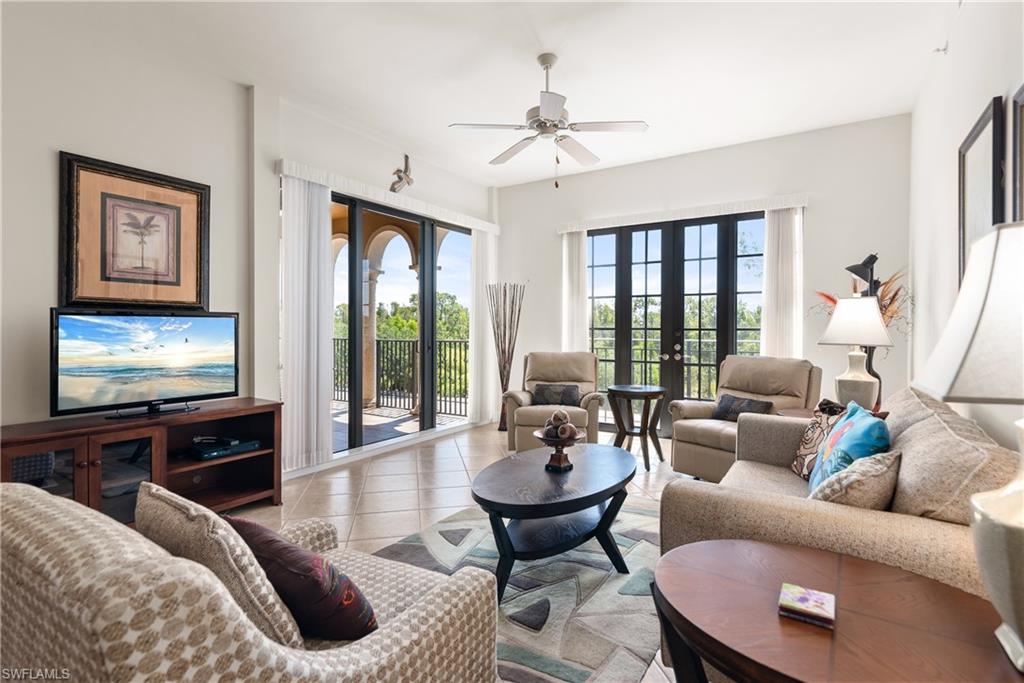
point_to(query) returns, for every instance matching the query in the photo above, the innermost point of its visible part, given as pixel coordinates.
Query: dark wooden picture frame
(1017, 114)
(992, 117)
(94, 215)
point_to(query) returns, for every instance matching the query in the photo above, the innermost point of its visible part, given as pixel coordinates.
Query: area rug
(566, 618)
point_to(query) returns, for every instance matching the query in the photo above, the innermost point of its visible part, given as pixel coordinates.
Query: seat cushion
(391, 587)
(758, 476)
(947, 458)
(719, 434)
(536, 416)
(187, 529)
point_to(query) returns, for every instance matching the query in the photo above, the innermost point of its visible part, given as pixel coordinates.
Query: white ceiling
(703, 75)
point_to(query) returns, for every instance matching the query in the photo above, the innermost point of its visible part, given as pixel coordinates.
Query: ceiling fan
(550, 119)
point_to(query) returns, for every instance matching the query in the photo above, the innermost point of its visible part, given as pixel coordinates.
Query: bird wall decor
(403, 177)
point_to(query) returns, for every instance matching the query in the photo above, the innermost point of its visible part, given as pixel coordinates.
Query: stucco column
(370, 339)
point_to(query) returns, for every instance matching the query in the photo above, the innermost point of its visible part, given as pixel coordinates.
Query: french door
(668, 301)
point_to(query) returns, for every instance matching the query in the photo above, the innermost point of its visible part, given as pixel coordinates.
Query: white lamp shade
(980, 355)
(856, 322)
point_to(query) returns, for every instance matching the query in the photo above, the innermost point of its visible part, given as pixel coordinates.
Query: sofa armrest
(519, 398)
(315, 535)
(694, 511)
(689, 410)
(770, 439)
(593, 397)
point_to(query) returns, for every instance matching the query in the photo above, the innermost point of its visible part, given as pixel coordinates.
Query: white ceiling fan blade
(576, 150)
(551, 105)
(489, 126)
(513, 150)
(609, 126)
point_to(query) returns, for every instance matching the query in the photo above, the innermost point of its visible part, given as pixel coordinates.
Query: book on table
(807, 605)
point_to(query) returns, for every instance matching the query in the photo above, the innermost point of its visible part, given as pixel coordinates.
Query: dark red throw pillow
(325, 603)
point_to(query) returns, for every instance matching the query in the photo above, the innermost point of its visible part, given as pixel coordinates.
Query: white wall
(985, 59)
(856, 176)
(74, 84)
(85, 81)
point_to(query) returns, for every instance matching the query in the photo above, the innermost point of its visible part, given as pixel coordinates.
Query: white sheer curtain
(574, 291)
(307, 302)
(484, 397)
(781, 318)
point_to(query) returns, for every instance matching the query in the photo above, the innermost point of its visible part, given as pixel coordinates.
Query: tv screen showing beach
(110, 360)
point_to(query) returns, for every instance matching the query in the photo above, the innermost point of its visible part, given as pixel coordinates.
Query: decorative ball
(566, 431)
(559, 417)
(551, 432)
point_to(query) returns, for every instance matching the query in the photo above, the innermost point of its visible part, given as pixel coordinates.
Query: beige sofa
(706, 448)
(83, 592)
(576, 367)
(945, 458)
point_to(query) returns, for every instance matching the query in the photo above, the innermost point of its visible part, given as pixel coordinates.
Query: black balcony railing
(397, 364)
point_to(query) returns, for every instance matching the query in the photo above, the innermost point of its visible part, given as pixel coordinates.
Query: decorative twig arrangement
(505, 300)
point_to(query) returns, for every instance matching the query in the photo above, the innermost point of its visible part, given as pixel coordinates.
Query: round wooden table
(552, 512)
(718, 601)
(622, 395)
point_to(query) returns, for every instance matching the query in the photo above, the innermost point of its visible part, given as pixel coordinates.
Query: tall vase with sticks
(505, 301)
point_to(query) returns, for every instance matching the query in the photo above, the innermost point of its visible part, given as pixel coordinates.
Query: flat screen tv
(105, 361)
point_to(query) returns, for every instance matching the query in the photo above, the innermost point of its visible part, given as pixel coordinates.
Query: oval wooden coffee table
(552, 512)
(718, 601)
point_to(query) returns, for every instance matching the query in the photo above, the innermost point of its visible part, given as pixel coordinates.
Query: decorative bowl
(559, 460)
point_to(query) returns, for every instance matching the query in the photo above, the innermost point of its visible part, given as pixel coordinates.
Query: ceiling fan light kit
(550, 120)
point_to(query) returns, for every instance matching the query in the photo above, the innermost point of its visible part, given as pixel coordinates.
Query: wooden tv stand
(100, 462)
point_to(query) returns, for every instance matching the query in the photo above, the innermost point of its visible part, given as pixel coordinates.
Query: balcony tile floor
(376, 502)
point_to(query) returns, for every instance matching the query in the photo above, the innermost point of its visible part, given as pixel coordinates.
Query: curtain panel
(781, 317)
(307, 302)
(574, 291)
(484, 396)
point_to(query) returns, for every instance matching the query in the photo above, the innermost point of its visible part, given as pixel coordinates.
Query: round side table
(621, 396)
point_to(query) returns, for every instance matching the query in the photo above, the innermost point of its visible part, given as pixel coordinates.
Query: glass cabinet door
(58, 467)
(119, 465)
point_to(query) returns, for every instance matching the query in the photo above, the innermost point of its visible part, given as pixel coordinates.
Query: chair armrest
(688, 409)
(592, 396)
(520, 398)
(314, 535)
(693, 511)
(770, 439)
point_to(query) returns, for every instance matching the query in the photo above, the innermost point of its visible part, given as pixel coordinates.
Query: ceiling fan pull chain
(557, 162)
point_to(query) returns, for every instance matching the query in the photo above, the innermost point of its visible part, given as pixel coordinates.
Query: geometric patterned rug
(571, 617)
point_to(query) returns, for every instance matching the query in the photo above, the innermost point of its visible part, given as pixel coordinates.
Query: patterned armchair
(82, 592)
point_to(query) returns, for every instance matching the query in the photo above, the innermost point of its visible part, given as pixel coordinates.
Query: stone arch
(378, 241)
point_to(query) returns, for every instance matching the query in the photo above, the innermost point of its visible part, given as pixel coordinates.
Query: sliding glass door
(669, 301)
(386, 363)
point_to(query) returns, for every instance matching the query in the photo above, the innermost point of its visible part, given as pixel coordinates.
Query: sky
(397, 282)
(145, 340)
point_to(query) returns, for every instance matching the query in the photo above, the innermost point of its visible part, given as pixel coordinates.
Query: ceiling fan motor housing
(546, 128)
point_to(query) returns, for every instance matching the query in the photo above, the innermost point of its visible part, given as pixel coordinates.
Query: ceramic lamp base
(856, 384)
(1012, 646)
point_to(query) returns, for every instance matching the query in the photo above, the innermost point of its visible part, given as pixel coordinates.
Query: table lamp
(858, 322)
(980, 359)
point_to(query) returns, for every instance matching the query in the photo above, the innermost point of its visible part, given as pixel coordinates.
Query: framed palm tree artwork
(131, 238)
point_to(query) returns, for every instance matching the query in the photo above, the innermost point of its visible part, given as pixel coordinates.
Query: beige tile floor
(378, 501)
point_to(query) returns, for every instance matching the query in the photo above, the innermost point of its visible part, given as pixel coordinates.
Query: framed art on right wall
(1017, 114)
(981, 195)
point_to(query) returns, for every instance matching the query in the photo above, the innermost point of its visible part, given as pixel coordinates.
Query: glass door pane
(749, 284)
(601, 264)
(645, 310)
(700, 310)
(391, 354)
(341, 347)
(123, 465)
(51, 470)
(454, 250)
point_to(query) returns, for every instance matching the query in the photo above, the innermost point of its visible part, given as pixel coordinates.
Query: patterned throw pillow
(730, 407)
(556, 395)
(325, 602)
(825, 416)
(868, 483)
(858, 434)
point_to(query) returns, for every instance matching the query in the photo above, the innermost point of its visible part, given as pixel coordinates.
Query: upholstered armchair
(524, 416)
(706, 448)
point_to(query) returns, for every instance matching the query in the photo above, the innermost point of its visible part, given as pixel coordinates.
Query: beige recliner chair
(571, 367)
(706, 448)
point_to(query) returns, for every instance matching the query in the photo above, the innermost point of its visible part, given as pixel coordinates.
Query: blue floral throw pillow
(858, 434)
